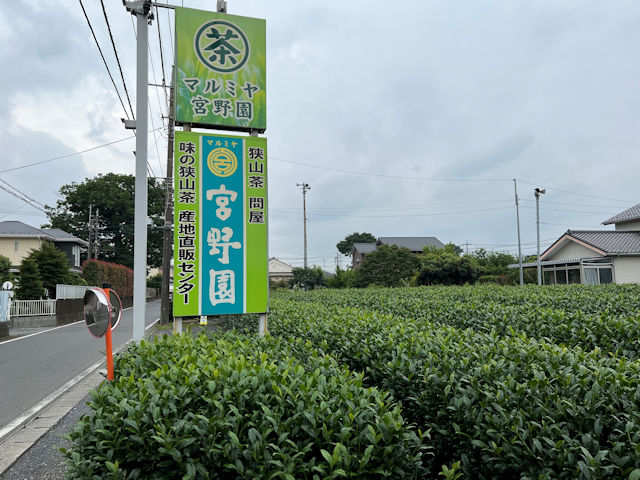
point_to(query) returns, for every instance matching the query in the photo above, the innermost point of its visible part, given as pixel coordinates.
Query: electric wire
(19, 197)
(115, 52)
(22, 193)
(103, 59)
(399, 177)
(164, 83)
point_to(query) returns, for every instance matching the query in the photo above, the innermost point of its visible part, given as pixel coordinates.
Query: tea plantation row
(488, 382)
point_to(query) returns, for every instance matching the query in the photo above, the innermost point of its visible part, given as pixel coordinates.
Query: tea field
(438, 382)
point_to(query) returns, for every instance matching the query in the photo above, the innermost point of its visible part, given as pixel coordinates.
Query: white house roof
(628, 215)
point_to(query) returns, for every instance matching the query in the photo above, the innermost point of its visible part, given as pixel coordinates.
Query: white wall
(573, 250)
(627, 269)
(628, 226)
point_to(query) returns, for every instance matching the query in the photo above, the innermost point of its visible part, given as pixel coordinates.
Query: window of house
(573, 275)
(549, 277)
(16, 246)
(598, 275)
(76, 256)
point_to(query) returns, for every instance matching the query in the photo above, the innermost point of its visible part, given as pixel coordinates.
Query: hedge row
(508, 407)
(241, 408)
(97, 272)
(600, 317)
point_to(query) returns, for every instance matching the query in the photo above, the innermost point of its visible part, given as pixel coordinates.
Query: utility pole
(142, 10)
(165, 307)
(96, 226)
(305, 188)
(90, 227)
(539, 192)
(515, 189)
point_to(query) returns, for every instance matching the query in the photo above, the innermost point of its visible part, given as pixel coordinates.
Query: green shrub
(240, 408)
(505, 406)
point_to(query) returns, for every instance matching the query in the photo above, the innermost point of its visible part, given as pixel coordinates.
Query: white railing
(28, 308)
(66, 292)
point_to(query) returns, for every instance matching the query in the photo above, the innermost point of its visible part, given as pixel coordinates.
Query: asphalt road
(33, 367)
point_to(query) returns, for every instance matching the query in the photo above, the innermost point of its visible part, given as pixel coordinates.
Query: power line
(22, 193)
(161, 55)
(115, 51)
(19, 197)
(579, 194)
(370, 174)
(67, 155)
(398, 216)
(103, 59)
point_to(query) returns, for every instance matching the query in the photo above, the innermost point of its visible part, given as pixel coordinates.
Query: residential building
(18, 239)
(595, 256)
(278, 270)
(415, 244)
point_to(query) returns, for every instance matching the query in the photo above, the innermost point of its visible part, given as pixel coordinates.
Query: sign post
(220, 203)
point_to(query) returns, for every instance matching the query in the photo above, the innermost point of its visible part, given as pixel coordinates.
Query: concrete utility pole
(515, 188)
(89, 247)
(305, 187)
(167, 253)
(142, 10)
(539, 192)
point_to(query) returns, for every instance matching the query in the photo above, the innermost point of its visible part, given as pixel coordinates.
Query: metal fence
(66, 292)
(29, 308)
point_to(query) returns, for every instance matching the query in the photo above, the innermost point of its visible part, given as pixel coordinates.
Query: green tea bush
(605, 317)
(505, 406)
(234, 407)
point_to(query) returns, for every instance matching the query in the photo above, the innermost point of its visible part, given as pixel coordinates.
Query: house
(415, 244)
(595, 256)
(18, 239)
(278, 270)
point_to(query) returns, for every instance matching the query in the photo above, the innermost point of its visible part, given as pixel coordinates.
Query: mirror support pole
(109, 346)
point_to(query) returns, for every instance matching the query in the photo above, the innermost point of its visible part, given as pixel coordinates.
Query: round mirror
(97, 312)
(116, 309)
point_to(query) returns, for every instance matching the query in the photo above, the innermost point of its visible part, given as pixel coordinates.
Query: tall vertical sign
(221, 71)
(220, 227)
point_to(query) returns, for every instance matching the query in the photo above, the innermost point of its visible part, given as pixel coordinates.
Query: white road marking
(49, 399)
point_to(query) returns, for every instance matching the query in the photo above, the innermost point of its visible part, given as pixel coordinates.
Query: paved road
(31, 368)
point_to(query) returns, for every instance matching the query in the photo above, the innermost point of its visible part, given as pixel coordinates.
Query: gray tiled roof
(365, 247)
(19, 229)
(62, 236)
(611, 242)
(415, 244)
(628, 215)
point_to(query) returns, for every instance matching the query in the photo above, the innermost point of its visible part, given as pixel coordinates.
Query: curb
(21, 434)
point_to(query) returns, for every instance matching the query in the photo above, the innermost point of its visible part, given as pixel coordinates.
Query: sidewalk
(32, 451)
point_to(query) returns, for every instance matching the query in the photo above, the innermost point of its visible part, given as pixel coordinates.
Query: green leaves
(184, 407)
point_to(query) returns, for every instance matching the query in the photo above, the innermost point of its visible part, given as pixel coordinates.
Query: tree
(113, 195)
(346, 245)
(52, 265)
(29, 282)
(309, 277)
(494, 263)
(388, 266)
(445, 266)
(5, 269)
(342, 279)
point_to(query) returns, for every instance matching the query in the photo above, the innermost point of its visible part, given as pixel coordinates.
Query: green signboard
(220, 225)
(221, 71)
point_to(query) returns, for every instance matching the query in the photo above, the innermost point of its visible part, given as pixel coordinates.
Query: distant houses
(595, 256)
(18, 239)
(415, 244)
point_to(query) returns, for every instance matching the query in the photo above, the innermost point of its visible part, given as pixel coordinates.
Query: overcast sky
(408, 118)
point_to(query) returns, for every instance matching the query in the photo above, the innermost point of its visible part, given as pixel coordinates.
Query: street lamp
(539, 192)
